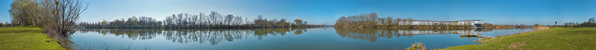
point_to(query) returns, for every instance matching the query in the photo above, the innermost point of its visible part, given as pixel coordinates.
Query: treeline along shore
(372, 21)
(206, 27)
(200, 21)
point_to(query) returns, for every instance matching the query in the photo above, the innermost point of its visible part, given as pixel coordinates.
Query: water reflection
(372, 34)
(275, 38)
(213, 36)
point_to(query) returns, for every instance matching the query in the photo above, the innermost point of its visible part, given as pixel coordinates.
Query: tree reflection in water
(214, 36)
(371, 34)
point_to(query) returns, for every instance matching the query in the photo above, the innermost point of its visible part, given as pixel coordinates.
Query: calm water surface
(274, 38)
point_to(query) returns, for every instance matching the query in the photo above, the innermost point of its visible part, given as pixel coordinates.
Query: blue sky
(328, 11)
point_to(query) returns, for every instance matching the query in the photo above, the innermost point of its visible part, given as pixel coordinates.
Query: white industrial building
(429, 22)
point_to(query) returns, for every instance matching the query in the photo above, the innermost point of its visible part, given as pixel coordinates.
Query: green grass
(26, 38)
(21, 29)
(555, 38)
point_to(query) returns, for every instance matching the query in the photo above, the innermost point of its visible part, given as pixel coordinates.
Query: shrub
(417, 46)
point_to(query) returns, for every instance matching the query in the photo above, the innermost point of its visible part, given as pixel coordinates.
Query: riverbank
(26, 38)
(555, 38)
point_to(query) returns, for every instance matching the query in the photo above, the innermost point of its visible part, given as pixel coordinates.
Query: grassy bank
(26, 38)
(555, 38)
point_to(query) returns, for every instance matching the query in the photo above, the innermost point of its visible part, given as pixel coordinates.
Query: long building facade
(429, 22)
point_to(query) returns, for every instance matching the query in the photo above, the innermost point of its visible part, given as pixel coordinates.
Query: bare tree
(591, 20)
(229, 18)
(201, 16)
(68, 12)
(194, 19)
(213, 17)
